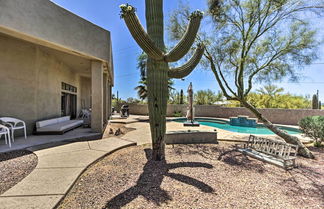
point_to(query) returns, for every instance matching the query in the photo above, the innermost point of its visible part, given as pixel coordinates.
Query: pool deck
(142, 133)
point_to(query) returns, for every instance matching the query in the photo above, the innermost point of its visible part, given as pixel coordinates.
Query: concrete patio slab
(72, 147)
(44, 202)
(54, 181)
(57, 169)
(35, 140)
(108, 144)
(141, 134)
(71, 159)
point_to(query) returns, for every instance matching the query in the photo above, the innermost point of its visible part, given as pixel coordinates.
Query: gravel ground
(193, 177)
(14, 166)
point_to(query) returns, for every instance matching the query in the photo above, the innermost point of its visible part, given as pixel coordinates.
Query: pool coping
(171, 119)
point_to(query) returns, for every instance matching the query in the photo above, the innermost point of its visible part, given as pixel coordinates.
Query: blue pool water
(223, 124)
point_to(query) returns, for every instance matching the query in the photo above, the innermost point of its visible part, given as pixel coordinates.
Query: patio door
(68, 101)
(68, 105)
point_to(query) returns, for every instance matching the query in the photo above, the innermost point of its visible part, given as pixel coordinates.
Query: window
(68, 87)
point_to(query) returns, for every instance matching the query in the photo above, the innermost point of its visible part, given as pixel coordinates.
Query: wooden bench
(276, 152)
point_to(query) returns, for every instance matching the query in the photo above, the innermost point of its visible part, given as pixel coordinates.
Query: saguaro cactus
(181, 97)
(315, 102)
(158, 71)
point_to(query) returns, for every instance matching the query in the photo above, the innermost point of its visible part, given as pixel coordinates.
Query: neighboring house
(52, 63)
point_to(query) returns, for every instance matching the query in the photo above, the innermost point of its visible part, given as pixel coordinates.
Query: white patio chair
(4, 130)
(14, 124)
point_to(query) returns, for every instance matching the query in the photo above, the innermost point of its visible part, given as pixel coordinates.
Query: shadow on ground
(149, 183)
(228, 155)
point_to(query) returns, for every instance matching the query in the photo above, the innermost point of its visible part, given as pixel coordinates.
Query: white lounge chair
(4, 130)
(14, 124)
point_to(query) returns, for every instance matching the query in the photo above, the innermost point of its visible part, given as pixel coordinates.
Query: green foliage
(283, 100)
(207, 97)
(177, 114)
(117, 103)
(253, 41)
(132, 100)
(175, 97)
(142, 87)
(313, 127)
(257, 41)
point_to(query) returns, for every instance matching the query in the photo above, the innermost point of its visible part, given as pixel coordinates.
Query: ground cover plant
(313, 127)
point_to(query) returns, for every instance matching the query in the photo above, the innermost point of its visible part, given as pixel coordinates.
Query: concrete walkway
(56, 171)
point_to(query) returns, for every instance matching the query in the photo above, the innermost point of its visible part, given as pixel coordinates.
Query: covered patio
(79, 134)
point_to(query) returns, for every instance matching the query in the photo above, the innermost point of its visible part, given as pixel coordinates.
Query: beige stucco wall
(48, 22)
(280, 116)
(30, 82)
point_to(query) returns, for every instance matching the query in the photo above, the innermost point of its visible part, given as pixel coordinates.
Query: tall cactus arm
(187, 40)
(187, 68)
(138, 32)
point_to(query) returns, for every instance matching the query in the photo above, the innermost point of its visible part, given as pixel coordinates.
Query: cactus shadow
(149, 183)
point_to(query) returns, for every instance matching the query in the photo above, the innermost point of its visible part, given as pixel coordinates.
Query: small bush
(313, 127)
(177, 114)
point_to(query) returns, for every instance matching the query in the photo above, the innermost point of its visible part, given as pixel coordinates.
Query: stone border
(191, 137)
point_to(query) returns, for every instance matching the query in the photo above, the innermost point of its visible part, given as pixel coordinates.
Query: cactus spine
(158, 72)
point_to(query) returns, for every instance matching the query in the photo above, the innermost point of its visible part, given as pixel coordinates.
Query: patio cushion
(61, 126)
(53, 121)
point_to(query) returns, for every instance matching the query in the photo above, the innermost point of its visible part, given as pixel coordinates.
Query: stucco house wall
(30, 82)
(43, 45)
(54, 26)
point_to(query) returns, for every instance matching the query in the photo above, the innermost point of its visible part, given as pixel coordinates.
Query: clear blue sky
(105, 13)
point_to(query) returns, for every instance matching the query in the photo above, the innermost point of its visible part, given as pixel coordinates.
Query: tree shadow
(149, 183)
(229, 155)
(307, 179)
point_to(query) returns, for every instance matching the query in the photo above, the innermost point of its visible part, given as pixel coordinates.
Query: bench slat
(274, 149)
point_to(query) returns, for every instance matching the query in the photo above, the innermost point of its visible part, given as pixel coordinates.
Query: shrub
(313, 127)
(177, 114)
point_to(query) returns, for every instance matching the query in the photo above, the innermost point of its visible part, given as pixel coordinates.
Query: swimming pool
(223, 124)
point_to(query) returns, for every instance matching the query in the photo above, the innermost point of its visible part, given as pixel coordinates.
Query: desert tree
(250, 41)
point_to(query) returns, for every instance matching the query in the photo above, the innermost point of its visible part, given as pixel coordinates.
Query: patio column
(108, 100)
(105, 83)
(97, 96)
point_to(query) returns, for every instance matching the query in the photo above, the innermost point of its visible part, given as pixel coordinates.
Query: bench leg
(294, 163)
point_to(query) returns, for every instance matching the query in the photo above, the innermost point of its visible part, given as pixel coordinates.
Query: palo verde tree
(158, 71)
(257, 41)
